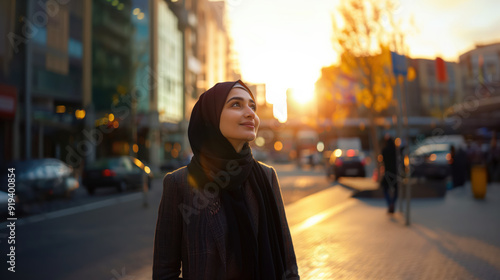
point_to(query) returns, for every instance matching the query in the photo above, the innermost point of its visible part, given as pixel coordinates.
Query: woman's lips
(248, 124)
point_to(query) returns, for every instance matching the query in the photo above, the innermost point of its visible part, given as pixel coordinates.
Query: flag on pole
(399, 64)
(441, 70)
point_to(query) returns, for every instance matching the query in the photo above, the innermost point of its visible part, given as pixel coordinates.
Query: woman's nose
(249, 112)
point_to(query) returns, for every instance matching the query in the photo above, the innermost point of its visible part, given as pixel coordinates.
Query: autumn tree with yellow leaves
(363, 32)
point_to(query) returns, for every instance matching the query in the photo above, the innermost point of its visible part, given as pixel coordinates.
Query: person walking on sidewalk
(389, 181)
(222, 216)
(458, 164)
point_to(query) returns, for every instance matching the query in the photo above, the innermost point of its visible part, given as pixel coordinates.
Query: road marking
(313, 220)
(75, 210)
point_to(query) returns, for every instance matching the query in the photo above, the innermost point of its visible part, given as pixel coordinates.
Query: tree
(363, 32)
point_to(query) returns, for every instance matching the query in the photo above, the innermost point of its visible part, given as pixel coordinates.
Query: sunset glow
(284, 43)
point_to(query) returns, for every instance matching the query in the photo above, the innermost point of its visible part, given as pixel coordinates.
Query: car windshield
(433, 148)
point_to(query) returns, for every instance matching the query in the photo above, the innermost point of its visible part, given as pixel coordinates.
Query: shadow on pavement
(420, 188)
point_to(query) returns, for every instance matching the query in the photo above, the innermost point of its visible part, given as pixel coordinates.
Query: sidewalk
(420, 187)
(455, 237)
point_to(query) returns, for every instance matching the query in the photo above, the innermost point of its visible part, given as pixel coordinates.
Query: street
(335, 236)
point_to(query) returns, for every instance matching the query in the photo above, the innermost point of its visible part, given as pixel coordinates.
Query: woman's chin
(251, 138)
(247, 136)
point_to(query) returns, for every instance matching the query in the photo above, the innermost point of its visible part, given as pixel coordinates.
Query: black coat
(390, 164)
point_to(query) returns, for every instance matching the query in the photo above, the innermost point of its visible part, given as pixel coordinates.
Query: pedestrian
(493, 160)
(389, 181)
(222, 216)
(469, 150)
(458, 165)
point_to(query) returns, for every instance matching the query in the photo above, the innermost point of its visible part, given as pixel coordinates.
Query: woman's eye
(253, 107)
(236, 104)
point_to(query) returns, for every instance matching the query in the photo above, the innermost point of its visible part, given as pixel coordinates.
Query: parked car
(40, 179)
(431, 161)
(122, 173)
(345, 163)
(456, 140)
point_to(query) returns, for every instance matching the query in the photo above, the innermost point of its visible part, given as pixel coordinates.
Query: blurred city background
(95, 100)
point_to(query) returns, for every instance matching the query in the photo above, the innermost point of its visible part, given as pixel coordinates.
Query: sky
(284, 43)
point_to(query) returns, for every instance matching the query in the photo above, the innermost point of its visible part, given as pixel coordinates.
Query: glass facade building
(170, 85)
(42, 62)
(111, 54)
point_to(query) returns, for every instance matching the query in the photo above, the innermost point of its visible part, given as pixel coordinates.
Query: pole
(407, 157)
(400, 134)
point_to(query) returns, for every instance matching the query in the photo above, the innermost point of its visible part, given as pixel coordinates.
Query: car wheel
(122, 186)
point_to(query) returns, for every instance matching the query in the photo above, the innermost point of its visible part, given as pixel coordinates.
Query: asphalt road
(89, 244)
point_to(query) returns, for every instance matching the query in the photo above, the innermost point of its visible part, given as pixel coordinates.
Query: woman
(222, 216)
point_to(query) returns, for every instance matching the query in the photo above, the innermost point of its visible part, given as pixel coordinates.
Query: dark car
(431, 161)
(122, 173)
(40, 179)
(345, 163)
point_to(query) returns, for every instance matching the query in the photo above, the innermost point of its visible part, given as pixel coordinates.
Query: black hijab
(257, 257)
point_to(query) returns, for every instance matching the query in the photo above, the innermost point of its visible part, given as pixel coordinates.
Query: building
(43, 66)
(480, 106)
(436, 96)
(169, 92)
(206, 61)
(113, 72)
(214, 49)
(481, 66)
(100, 78)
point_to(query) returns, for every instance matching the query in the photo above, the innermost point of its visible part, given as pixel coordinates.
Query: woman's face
(238, 120)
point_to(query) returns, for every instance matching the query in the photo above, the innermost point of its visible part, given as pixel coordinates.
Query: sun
(303, 93)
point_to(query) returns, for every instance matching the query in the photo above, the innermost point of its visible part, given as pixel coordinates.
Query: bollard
(478, 181)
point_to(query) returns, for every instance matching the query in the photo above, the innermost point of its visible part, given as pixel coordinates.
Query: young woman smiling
(222, 216)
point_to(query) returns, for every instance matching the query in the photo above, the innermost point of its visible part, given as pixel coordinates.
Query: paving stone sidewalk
(455, 237)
